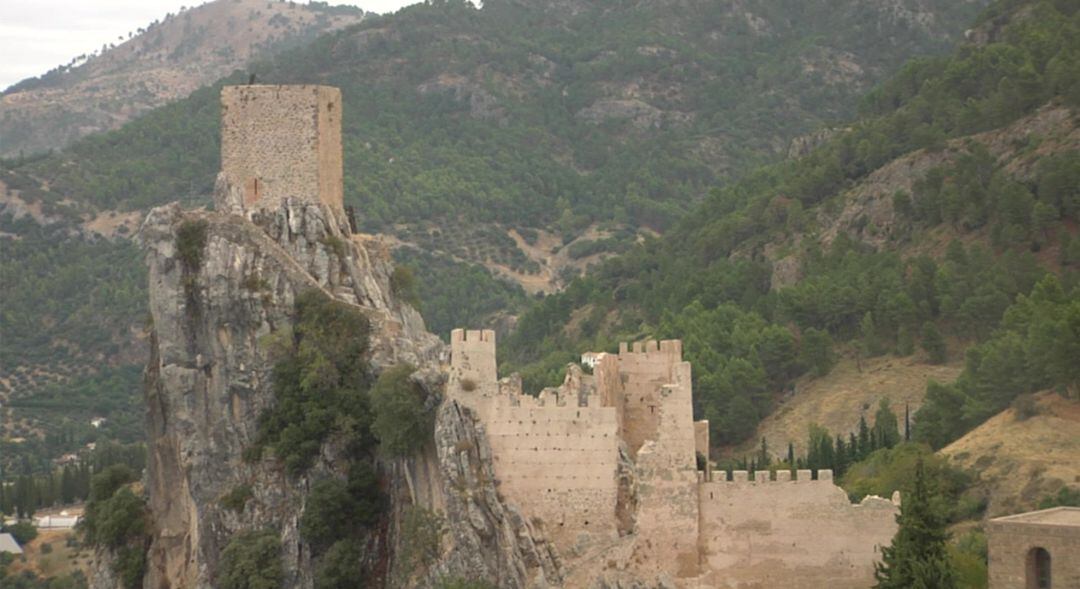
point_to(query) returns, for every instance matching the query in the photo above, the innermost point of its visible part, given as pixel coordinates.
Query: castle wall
(785, 533)
(281, 142)
(558, 464)
(553, 458)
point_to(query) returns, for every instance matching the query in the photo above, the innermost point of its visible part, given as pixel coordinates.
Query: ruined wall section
(785, 533)
(644, 370)
(555, 455)
(668, 513)
(281, 142)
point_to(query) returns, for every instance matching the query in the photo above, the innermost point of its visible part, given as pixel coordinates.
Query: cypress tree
(791, 455)
(840, 457)
(864, 438)
(917, 557)
(907, 422)
(763, 455)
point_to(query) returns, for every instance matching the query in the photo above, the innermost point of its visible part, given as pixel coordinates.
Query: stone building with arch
(1036, 550)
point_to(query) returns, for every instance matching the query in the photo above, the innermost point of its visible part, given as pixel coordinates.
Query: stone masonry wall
(554, 456)
(1011, 544)
(280, 142)
(785, 533)
(659, 412)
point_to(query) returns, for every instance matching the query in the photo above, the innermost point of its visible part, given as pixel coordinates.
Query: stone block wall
(1014, 540)
(554, 456)
(643, 370)
(791, 533)
(668, 510)
(558, 464)
(280, 142)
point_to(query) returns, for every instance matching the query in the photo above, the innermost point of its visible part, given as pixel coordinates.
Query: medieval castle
(607, 464)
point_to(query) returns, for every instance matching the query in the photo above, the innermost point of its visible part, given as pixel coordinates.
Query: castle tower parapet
(472, 359)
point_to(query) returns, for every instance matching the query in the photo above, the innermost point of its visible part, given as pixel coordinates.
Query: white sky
(38, 35)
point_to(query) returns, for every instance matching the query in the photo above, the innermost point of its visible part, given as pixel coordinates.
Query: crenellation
(824, 474)
(556, 456)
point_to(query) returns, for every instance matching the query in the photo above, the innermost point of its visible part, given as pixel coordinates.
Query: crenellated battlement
(762, 477)
(473, 336)
(669, 350)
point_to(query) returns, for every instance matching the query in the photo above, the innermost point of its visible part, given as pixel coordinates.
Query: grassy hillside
(1024, 454)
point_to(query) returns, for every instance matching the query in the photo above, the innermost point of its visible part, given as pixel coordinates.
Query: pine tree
(934, 344)
(917, 557)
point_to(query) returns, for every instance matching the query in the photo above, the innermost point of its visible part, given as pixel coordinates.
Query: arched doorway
(1038, 569)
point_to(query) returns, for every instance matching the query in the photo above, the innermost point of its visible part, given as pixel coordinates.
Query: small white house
(591, 359)
(54, 522)
(9, 545)
(98, 422)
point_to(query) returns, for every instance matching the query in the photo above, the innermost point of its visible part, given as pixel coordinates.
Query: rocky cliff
(220, 284)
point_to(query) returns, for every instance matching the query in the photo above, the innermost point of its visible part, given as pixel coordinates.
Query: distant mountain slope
(592, 120)
(164, 62)
(955, 192)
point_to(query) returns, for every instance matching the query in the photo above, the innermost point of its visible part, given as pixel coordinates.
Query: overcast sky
(38, 35)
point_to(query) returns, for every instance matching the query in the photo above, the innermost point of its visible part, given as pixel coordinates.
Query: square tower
(281, 142)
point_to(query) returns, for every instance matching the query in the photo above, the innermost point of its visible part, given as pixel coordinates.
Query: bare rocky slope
(166, 61)
(208, 382)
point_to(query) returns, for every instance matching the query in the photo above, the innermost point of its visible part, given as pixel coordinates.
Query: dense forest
(708, 282)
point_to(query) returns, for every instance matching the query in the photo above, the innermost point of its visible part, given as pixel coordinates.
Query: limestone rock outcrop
(208, 381)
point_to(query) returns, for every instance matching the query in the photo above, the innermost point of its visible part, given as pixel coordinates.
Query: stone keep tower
(281, 142)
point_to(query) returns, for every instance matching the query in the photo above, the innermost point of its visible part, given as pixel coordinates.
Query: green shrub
(402, 422)
(1066, 496)
(422, 531)
(339, 568)
(893, 469)
(320, 379)
(118, 520)
(337, 509)
(237, 498)
(23, 532)
(130, 565)
(336, 245)
(403, 285)
(251, 560)
(190, 242)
